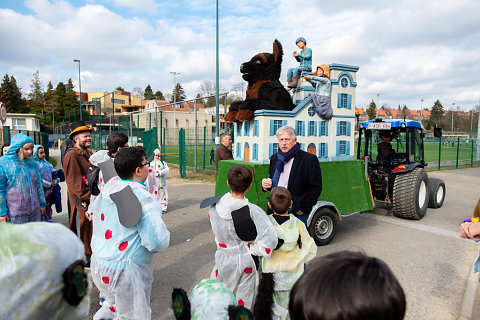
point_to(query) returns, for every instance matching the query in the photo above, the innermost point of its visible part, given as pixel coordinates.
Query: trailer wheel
(323, 226)
(410, 194)
(437, 191)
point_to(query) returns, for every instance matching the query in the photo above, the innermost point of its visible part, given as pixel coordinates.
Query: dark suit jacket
(304, 182)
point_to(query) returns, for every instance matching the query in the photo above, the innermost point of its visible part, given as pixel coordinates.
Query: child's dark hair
(347, 285)
(239, 178)
(280, 199)
(116, 140)
(6, 144)
(128, 160)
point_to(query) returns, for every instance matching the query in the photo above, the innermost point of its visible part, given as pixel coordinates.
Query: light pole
(79, 87)
(174, 104)
(217, 84)
(378, 94)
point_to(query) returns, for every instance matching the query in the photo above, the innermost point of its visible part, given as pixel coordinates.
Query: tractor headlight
(361, 125)
(403, 125)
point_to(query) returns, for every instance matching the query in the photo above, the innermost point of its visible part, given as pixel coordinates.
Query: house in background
(23, 121)
(255, 141)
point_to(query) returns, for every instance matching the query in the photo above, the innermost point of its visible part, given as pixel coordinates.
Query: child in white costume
(160, 169)
(286, 263)
(122, 260)
(242, 230)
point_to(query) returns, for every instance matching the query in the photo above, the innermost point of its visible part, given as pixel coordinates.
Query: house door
(246, 154)
(312, 149)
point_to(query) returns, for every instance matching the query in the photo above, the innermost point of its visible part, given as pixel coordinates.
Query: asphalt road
(433, 265)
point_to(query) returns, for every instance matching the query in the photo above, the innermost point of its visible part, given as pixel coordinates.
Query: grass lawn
(448, 155)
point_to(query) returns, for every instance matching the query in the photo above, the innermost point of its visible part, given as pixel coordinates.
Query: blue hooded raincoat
(21, 191)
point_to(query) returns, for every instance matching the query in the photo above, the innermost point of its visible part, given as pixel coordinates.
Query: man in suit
(296, 170)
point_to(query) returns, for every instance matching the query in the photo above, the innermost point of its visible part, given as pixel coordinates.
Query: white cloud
(406, 50)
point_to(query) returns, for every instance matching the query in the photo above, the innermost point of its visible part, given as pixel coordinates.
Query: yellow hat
(80, 129)
(325, 68)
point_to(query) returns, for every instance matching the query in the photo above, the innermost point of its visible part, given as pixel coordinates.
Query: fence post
(439, 152)
(204, 145)
(163, 142)
(471, 157)
(181, 149)
(458, 150)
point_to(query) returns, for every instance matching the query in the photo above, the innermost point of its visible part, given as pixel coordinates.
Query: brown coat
(222, 153)
(75, 166)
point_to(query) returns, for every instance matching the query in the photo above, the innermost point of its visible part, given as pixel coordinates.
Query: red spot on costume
(241, 303)
(216, 273)
(267, 250)
(108, 234)
(123, 245)
(248, 270)
(106, 280)
(102, 217)
(112, 309)
(222, 245)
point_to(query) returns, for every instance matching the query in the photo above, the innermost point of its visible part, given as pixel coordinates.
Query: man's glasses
(145, 164)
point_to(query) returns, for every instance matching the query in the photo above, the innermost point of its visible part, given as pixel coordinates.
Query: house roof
(381, 112)
(412, 113)
(395, 112)
(425, 113)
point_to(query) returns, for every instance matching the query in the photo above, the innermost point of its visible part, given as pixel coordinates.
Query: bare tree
(239, 89)
(137, 92)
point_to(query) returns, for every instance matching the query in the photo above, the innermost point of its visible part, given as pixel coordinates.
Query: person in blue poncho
(21, 194)
(305, 59)
(46, 169)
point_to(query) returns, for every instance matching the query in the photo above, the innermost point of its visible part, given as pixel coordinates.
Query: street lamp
(174, 103)
(453, 108)
(79, 87)
(378, 94)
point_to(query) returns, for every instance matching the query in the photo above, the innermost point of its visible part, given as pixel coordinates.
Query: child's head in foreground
(131, 164)
(280, 200)
(347, 285)
(239, 179)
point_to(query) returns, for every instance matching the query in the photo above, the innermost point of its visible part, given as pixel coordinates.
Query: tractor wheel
(436, 191)
(323, 226)
(410, 194)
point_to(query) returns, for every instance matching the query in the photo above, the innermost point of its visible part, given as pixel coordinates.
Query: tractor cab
(391, 143)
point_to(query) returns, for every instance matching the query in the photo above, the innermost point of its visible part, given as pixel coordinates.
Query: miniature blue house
(331, 140)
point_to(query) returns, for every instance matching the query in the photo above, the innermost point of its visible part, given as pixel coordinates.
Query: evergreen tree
(119, 88)
(436, 114)
(11, 95)
(405, 112)
(198, 99)
(148, 93)
(50, 99)
(159, 96)
(36, 95)
(372, 110)
(178, 93)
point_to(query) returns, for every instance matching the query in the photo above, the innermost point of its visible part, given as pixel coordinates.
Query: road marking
(414, 225)
(469, 297)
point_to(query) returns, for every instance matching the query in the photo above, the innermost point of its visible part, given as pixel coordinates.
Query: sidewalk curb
(468, 302)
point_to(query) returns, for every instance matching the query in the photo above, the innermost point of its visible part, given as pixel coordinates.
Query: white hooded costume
(122, 260)
(234, 264)
(160, 170)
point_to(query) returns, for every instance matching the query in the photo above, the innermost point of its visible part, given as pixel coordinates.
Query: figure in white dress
(160, 170)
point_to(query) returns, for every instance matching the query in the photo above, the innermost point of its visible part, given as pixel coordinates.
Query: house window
(275, 125)
(344, 82)
(300, 128)
(343, 147)
(255, 128)
(312, 128)
(246, 129)
(19, 124)
(343, 128)
(323, 128)
(239, 150)
(239, 129)
(118, 101)
(311, 111)
(343, 100)
(323, 150)
(272, 149)
(255, 151)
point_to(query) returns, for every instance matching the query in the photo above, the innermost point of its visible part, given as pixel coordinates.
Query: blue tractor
(393, 152)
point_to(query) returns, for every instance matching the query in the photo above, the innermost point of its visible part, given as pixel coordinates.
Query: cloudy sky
(407, 50)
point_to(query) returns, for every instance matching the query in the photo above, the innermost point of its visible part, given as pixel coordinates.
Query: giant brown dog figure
(264, 89)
